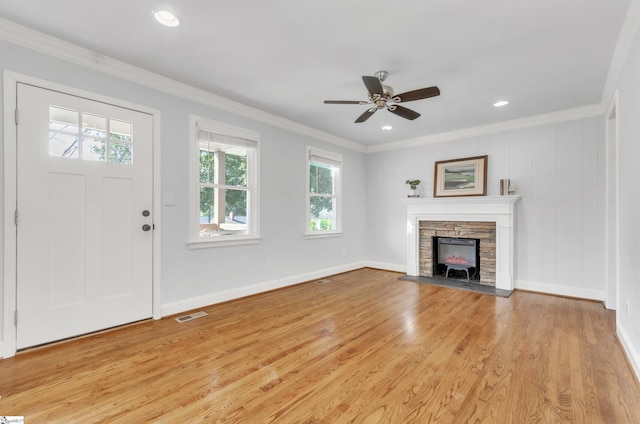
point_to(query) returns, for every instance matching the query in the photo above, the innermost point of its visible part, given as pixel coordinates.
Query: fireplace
(456, 258)
(429, 213)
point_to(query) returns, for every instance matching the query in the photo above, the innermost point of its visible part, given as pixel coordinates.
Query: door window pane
(63, 145)
(94, 125)
(93, 149)
(120, 130)
(120, 153)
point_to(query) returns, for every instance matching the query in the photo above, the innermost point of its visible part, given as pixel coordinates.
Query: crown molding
(37, 41)
(499, 127)
(626, 37)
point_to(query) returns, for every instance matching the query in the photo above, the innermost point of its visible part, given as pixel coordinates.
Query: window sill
(323, 234)
(223, 242)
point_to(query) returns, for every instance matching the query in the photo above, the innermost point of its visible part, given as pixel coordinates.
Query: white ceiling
(287, 56)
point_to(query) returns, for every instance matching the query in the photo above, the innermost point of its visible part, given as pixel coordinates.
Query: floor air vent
(189, 317)
(323, 281)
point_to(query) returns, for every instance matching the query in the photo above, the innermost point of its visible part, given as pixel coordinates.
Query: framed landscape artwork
(461, 177)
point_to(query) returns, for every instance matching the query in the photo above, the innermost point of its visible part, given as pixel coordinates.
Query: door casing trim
(10, 81)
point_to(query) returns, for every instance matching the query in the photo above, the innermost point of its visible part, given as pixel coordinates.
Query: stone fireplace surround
(484, 232)
(497, 209)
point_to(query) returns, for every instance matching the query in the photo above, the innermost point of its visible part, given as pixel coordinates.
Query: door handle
(145, 213)
(146, 227)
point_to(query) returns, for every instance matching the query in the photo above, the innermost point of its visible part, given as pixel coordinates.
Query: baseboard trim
(386, 266)
(181, 306)
(632, 355)
(580, 293)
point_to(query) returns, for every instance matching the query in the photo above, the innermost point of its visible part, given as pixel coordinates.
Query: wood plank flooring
(363, 348)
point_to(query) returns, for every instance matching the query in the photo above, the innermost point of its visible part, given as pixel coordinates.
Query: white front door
(84, 214)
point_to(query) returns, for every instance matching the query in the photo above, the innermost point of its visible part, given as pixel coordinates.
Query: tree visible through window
(225, 200)
(323, 191)
(233, 183)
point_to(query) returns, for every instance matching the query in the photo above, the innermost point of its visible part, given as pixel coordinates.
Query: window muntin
(323, 192)
(225, 195)
(78, 135)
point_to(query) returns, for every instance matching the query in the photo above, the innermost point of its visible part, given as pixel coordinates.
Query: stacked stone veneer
(484, 231)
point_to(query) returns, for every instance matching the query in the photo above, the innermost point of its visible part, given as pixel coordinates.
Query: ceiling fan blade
(345, 102)
(423, 93)
(373, 85)
(368, 114)
(404, 112)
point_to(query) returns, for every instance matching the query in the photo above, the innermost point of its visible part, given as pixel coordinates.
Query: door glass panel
(63, 145)
(120, 153)
(63, 116)
(120, 130)
(93, 149)
(103, 139)
(63, 132)
(93, 125)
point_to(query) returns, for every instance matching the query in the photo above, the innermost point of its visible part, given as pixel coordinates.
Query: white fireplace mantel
(498, 209)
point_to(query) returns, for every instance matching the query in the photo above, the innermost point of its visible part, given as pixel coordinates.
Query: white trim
(34, 40)
(498, 127)
(632, 355)
(612, 204)
(11, 79)
(173, 308)
(323, 234)
(10, 198)
(626, 37)
(387, 267)
(560, 290)
(223, 242)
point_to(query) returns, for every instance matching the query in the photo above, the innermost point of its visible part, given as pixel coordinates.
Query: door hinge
(16, 116)
(16, 216)
(15, 317)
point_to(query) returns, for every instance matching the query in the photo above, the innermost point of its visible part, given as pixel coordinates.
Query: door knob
(146, 227)
(145, 213)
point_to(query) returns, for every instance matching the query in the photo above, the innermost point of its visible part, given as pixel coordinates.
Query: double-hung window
(225, 189)
(324, 197)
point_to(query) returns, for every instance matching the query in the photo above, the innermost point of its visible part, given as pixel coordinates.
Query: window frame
(195, 241)
(335, 160)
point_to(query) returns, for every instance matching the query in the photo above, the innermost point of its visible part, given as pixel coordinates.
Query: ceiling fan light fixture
(166, 18)
(501, 103)
(387, 127)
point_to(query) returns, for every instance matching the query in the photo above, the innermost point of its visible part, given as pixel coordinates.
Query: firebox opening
(457, 258)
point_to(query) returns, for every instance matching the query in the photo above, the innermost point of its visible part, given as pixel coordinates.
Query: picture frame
(461, 177)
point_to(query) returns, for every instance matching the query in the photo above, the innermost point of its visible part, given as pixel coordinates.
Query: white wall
(191, 278)
(558, 169)
(628, 113)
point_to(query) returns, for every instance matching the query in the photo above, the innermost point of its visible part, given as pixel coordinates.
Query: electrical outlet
(628, 307)
(269, 262)
(344, 251)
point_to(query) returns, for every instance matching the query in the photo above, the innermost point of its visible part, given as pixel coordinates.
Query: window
(225, 189)
(78, 135)
(324, 201)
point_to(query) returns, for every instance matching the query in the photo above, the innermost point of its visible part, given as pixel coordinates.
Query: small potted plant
(413, 185)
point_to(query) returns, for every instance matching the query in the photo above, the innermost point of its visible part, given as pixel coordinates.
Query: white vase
(413, 193)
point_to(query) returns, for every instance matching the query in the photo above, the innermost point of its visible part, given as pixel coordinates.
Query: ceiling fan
(382, 96)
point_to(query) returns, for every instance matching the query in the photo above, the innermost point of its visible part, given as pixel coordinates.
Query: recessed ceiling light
(501, 103)
(387, 128)
(166, 18)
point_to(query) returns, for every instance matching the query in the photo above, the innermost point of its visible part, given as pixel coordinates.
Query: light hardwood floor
(363, 348)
